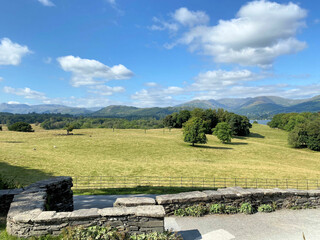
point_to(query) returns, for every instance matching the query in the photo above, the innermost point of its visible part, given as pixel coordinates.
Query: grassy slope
(156, 153)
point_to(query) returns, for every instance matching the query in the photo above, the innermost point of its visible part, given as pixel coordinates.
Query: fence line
(101, 182)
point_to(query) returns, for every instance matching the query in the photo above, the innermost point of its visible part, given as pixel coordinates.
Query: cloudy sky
(145, 53)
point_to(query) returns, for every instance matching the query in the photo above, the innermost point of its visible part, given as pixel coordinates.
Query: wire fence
(103, 182)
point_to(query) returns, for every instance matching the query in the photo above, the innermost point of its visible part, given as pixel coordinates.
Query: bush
(21, 127)
(246, 208)
(265, 208)
(217, 208)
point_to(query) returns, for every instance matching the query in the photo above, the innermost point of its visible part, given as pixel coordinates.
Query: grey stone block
(213, 195)
(134, 201)
(195, 196)
(84, 213)
(150, 211)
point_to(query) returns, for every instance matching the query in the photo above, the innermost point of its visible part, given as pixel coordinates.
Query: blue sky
(146, 53)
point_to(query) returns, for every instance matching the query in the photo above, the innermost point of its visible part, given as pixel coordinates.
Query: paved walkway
(279, 225)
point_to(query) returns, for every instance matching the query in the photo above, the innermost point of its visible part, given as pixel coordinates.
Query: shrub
(217, 208)
(231, 210)
(265, 208)
(246, 208)
(21, 127)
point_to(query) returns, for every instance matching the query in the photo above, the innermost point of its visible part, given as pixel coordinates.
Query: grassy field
(96, 152)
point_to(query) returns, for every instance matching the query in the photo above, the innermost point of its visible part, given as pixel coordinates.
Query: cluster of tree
(20, 127)
(62, 121)
(303, 128)
(239, 125)
(194, 131)
(59, 123)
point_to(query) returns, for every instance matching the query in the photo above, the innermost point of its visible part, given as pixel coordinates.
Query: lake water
(263, 122)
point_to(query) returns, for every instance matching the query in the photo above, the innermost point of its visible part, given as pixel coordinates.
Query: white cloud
(151, 84)
(181, 17)
(83, 102)
(11, 53)
(1, 79)
(13, 102)
(25, 92)
(261, 32)
(46, 3)
(161, 25)
(92, 72)
(190, 18)
(105, 90)
(218, 79)
(157, 97)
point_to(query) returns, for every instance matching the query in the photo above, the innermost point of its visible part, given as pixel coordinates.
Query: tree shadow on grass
(12, 141)
(256, 135)
(211, 147)
(251, 135)
(22, 175)
(237, 143)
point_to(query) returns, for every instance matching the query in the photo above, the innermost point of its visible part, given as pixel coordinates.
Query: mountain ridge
(253, 107)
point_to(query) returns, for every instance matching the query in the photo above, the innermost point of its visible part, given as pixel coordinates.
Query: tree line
(64, 121)
(303, 128)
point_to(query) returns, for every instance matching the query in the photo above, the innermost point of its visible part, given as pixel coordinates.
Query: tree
(313, 131)
(298, 137)
(194, 131)
(70, 126)
(21, 127)
(223, 131)
(239, 125)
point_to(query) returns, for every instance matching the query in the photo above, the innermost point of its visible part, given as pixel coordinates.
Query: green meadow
(29, 157)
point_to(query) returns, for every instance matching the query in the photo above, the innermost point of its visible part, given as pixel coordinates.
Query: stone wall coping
(231, 192)
(134, 201)
(37, 215)
(194, 196)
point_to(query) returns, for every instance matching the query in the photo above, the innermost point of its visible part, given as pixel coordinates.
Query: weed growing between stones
(246, 208)
(217, 208)
(194, 211)
(266, 208)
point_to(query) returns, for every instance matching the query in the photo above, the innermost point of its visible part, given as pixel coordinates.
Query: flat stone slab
(195, 196)
(134, 201)
(150, 211)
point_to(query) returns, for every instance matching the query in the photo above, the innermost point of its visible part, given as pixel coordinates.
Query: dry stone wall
(235, 196)
(46, 208)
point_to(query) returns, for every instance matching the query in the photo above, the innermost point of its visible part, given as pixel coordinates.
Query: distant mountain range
(43, 108)
(257, 107)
